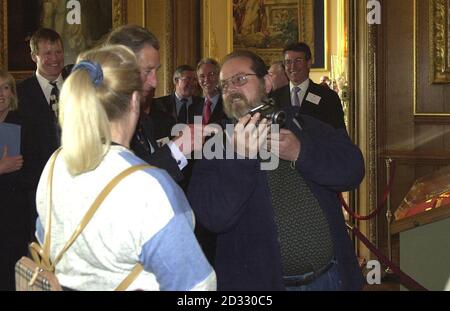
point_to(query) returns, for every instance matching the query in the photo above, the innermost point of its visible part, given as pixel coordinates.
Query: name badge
(313, 98)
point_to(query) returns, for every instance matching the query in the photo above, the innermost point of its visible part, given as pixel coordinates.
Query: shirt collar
(45, 84)
(178, 99)
(214, 99)
(303, 86)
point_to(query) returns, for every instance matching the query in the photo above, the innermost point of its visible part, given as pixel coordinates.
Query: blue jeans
(328, 281)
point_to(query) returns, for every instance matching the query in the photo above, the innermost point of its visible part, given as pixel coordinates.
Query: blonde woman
(8, 107)
(145, 218)
(15, 217)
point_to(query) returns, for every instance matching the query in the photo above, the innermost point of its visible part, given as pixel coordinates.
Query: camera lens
(279, 118)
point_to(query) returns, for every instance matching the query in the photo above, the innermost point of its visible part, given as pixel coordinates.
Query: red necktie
(206, 112)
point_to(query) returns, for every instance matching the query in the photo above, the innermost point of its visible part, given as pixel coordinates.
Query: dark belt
(307, 278)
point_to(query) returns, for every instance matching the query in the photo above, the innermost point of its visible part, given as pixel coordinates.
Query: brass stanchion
(388, 214)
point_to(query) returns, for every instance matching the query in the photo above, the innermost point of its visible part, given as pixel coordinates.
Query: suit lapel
(305, 103)
(172, 107)
(217, 113)
(285, 97)
(148, 126)
(38, 93)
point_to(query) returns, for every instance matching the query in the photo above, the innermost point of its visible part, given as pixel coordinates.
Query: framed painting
(19, 19)
(440, 41)
(266, 26)
(435, 60)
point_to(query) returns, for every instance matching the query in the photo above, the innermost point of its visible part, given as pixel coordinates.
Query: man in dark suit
(38, 94)
(182, 105)
(172, 156)
(208, 78)
(38, 102)
(212, 112)
(313, 99)
(281, 228)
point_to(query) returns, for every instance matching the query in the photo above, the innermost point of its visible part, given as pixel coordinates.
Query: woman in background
(14, 208)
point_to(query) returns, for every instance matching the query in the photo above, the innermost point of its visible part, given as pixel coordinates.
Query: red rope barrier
(405, 279)
(380, 206)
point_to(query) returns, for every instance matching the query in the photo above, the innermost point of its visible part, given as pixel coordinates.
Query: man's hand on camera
(285, 144)
(249, 135)
(192, 137)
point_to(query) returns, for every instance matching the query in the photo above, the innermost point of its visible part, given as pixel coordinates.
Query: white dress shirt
(303, 87)
(46, 86)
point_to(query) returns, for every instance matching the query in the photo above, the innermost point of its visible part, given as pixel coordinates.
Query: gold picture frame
(439, 55)
(283, 21)
(21, 53)
(440, 41)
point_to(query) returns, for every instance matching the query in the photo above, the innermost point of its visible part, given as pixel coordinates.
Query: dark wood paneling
(398, 74)
(418, 145)
(408, 167)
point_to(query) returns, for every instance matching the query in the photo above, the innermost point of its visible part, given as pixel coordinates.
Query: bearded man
(281, 229)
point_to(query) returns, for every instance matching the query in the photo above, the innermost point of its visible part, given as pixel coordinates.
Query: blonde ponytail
(88, 104)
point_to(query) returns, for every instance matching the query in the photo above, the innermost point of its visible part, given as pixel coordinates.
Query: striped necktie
(295, 99)
(54, 97)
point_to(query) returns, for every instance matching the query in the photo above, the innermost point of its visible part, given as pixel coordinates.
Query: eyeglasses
(210, 75)
(298, 60)
(190, 79)
(237, 80)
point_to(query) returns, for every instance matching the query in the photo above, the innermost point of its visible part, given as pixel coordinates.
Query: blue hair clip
(94, 69)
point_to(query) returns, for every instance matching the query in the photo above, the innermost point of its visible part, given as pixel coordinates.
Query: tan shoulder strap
(87, 217)
(130, 277)
(44, 252)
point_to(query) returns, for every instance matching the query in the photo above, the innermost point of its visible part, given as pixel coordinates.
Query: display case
(422, 222)
(427, 193)
(427, 201)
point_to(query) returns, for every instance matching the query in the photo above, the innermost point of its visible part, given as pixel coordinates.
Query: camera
(270, 110)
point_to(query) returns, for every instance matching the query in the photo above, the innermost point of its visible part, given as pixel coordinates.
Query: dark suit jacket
(34, 109)
(27, 177)
(167, 105)
(20, 187)
(16, 212)
(232, 198)
(163, 113)
(161, 157)
(206, 238)
(329, 109)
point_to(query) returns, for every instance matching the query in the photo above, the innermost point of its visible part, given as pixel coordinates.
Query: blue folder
(10, 136)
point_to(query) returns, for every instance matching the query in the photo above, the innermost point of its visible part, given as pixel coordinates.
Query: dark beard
(236, 105)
